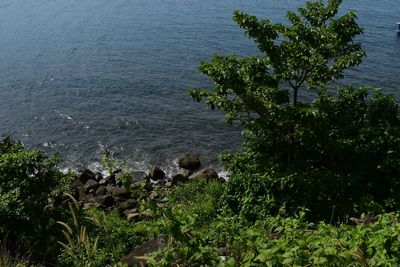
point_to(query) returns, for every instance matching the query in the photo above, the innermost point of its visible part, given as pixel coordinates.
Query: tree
(314, 49)
(338, 154)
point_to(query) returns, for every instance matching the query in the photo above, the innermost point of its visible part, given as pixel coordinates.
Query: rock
(156, 173)
(90, 198)
(186, 173)
(116, 171)
(106, 201)
(86, 175)
(204, 174)
(189, 162)
(119, 199)
(178, 178)
(118, 191)
(81, 193)
(98, 176)
(110, 180)
(103, 182)
(129, 211)
(128, 204)
(101, 190)
(139, 175)
(146, 248)
(133, 217)
(90, 184)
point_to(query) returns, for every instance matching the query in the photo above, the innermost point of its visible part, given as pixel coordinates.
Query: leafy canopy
(337, 155)
(312, 50)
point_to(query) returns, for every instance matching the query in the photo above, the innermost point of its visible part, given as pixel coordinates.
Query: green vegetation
(27, 179)
(336, 155)
(316, 183)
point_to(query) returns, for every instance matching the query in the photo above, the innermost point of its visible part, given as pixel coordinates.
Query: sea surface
(78, 77)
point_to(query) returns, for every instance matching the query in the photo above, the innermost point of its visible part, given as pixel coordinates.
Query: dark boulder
(91, 184)
(106, 201)
(129, 211)
(179, 178)
(156, 173)
(101, 190)
(189, 162)
(186, 173)
(81, 193)
(204, 174)
(118, 191)
(139, 175)
(86, 175)
(133, 217)
(146, 248)
(128, 204)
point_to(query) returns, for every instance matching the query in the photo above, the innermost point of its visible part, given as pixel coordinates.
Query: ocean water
(78, 77)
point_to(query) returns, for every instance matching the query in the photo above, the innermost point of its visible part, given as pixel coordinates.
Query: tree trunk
(295, 92)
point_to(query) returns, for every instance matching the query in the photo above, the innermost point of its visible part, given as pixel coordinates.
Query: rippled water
(79, 76)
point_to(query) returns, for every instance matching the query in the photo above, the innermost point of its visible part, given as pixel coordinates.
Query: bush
(338, 156)
(278, 241)
(188, 218)
(27, 179)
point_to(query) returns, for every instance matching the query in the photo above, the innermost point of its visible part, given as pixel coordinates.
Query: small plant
(109, 162)
(81, 248)
(12, 258)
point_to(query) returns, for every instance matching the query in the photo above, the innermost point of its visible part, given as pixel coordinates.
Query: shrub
(337, 157)
(27, 178)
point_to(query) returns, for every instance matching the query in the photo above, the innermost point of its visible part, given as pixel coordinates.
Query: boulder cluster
(111, 192)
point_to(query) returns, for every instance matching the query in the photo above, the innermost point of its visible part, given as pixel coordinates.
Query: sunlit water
(81, 76)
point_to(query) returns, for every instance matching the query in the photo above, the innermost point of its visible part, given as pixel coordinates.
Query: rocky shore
(124, 191)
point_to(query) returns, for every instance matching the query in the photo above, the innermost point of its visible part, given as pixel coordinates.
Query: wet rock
(156, 173)
(179, 178)
(146, 248)
(139, 175)
(118, 191)
(101, 190)
(103, 182)
(110, 180)
(106, 201)
(116, 171)
(129, 211)
(81, 193)
(189, 162)
(204, 174)
(90, 184)
(128, 204)
(98, 176)
(90, 198)
(186, 173)
(86, 175)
